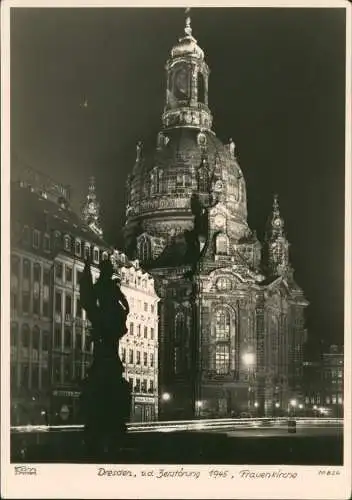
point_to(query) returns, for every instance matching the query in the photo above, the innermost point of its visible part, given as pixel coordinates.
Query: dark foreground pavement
(185, 447)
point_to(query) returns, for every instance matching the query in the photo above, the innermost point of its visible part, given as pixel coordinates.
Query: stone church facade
(231, 316)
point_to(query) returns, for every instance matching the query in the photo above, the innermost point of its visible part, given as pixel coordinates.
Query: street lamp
(277, 405)
(293, 404)
(166, 396)
(249, 361)
(300, 406)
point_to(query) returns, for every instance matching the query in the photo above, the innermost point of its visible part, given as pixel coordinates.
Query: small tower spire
(91, 209)
(277, 244)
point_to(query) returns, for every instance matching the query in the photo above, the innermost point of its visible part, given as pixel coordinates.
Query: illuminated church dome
(188, 158)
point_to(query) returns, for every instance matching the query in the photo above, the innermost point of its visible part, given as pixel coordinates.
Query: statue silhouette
(106, 396)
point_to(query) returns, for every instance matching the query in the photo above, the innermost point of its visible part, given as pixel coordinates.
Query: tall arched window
(145, 249)
(154, 181)
(222, 244)
(203, 178)
(179, 343)
(222, 332)
(274, 344)
(201, 93)
(180, 326)
(222, 325)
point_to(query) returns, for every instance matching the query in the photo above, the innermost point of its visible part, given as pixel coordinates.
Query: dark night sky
(277, 86)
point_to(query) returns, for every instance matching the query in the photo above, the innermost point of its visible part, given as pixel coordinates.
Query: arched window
(154, 181)
(222, 244)
(78, 247)
(203, 178)
(145, 249)
(200, 86)
(67, 243)
(180, 326)
(180, 338)
(160, 181)
(222, 359)
(222, 331)
(86, 251)
(274, 347)
(222, 325)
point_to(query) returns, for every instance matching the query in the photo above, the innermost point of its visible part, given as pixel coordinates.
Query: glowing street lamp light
(248, 359)
(199, 404)
(300, 406)
(315, 407)
(277, 405)
(256, 404)
(293, 403)
(166, 396)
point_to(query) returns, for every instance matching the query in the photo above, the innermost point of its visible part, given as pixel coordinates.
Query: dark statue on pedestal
(106, 395)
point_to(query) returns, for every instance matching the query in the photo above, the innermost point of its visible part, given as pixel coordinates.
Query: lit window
(222, 325)
(222, 359)
(334, 399)
(327, 400)
(222, 244)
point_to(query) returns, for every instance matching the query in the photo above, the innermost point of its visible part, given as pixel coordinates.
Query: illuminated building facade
(50, 342)
(231, 321)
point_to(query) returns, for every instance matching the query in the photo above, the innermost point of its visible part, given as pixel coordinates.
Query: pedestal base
(105, 403)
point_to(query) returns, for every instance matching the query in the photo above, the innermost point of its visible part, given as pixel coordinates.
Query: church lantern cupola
(187, 77)
(277, 244)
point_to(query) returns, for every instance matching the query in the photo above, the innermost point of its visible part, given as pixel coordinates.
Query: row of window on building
(138, 331)
(135, 357)
(139, 385)
(70, 244)
(137, 305)
(317, 399)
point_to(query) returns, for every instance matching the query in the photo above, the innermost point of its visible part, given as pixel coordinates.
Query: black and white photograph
(175, 250)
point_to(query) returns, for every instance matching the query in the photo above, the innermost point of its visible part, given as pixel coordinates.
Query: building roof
(33, 209)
